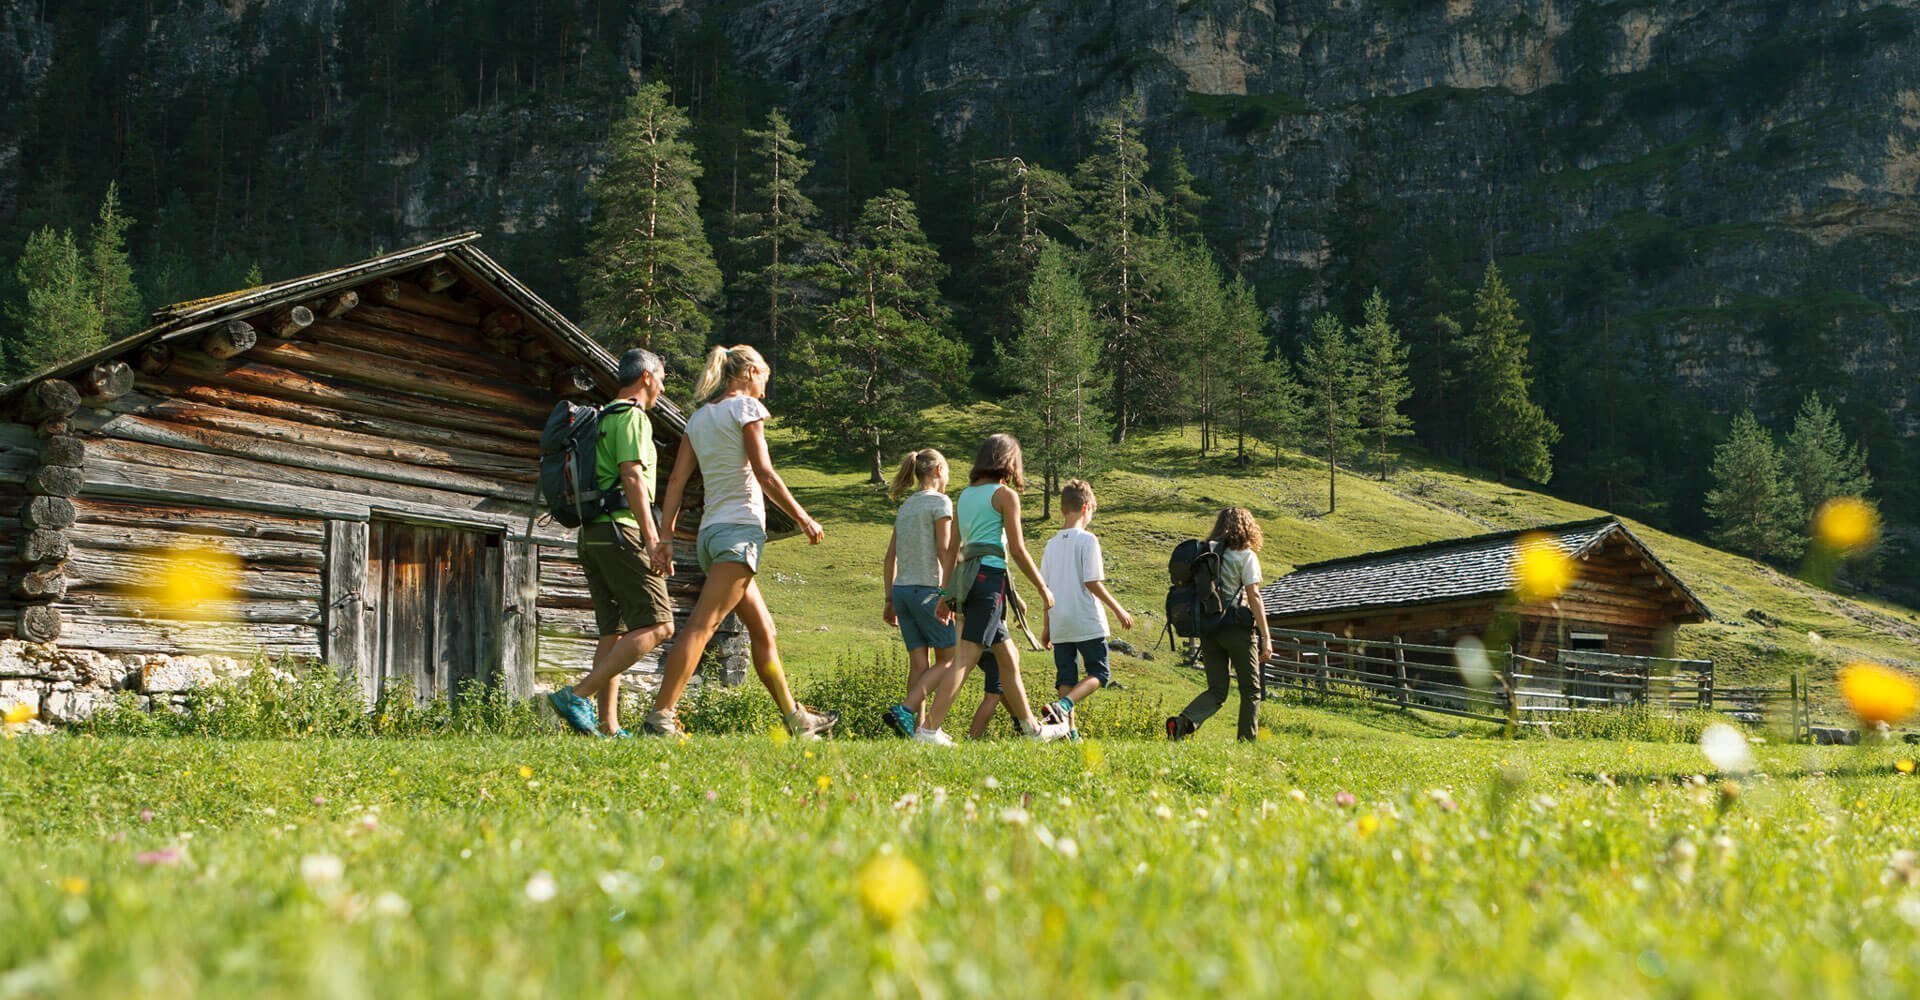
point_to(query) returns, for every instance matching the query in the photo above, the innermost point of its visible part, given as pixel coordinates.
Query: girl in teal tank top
(979, 523)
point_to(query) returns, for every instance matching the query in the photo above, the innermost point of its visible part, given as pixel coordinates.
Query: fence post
(1326, 665)
(1706, 689)
(1513, 696)
(1400, 669)
(1793, 703)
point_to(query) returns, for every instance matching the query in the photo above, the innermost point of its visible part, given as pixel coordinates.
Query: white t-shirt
(1071, 561)
(1238, 568)
(716, 431)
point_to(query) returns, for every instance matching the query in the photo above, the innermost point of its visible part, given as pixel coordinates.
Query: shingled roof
(1450, 570)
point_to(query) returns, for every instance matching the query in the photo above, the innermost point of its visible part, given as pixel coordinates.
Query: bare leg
(983, 716)
(946, 684)
(726, 584)
(611, 658)
(1014, 692)
(917, 667)
(753, 613)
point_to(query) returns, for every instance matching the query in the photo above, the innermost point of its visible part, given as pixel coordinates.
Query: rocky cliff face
(1722, 192)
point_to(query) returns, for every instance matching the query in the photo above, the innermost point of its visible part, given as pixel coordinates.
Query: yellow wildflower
(1541, 571)
(1877, 694)
(525, 772)
(1367, 825)
(1904, 765)
(1846, 524)
(73, 885)
(779, 735)
(824, 782)
(891, 889)
(20, 714)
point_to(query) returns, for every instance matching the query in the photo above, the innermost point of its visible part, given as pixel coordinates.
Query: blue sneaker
(578, 712)
(900, 720)
(624, 734)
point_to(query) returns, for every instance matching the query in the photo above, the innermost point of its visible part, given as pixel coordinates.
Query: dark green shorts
(627, 594)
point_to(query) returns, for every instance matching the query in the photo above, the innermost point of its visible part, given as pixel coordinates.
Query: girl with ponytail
(726, 443)
(911, 574)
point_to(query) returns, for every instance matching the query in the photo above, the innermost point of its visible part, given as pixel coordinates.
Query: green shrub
(1634, 722)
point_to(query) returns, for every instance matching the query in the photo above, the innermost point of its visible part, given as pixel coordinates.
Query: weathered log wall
(286, 442)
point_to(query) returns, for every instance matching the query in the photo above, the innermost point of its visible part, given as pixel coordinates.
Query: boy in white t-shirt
(1076, 625)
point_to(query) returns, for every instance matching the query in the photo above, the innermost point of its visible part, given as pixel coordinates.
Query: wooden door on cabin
(437, 619)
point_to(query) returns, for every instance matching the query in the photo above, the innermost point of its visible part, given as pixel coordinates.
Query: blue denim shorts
(1091, 652)
(918, 625)
(739, 543)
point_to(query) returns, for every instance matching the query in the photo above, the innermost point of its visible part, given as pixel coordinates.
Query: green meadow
(269, 845)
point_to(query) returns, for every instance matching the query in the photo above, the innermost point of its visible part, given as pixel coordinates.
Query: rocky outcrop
(1748, 167)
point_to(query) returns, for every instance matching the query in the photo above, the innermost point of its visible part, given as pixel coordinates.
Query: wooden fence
(1504, 687)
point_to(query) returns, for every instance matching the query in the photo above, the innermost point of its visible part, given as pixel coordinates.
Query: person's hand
(663, 557)
(814, 532)
(887, 615)
(1266, 648)
(943, 613)
(1126, 620)
(1046, 637)
(1046, 597)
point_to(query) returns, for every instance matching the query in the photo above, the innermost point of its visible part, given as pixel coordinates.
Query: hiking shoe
(1073, 736)
(664, 724)
(1178, 728)
(808, 724)
(578, 712)
(900, 719)
(1047, 732)
(937, 737)
(1057, 711)
(620, 734)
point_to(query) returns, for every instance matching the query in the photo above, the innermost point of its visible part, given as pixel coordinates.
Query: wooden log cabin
(1623, 600)
(360, 446)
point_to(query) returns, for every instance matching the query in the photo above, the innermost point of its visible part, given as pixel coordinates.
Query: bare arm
(754, 437)
(943, 535)
(888, 566)
(1007, 502)
(1098, 588)
(949, 557)
(684, 463)
(634, 484)
(1260, 621)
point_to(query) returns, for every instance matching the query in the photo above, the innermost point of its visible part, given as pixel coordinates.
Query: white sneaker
(937, 737)
(1047, 732)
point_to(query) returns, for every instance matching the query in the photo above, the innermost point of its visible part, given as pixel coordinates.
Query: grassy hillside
(827, 599)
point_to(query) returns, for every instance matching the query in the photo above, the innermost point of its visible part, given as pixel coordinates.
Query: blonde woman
(1238, 648)
(726, 443)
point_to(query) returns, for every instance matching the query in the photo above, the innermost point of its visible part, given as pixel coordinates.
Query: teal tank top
(979, 523)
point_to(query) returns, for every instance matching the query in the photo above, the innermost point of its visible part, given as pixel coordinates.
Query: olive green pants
(1228, 654)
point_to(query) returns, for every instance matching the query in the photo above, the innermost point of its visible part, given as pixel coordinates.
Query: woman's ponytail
(904, 479)
(712, 377)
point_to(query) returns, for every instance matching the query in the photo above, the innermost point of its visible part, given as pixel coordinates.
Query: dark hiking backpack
(569, 486)
(1196, 604)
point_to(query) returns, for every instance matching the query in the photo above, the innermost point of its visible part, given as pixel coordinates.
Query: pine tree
(1184, 202)
(109, 273)
(1820, 463)
(1257, 397)
(1117, 206)
(57, 318)
(1053, 366)
(1192, 315)
(883, 352)
(1331, 396)
(1382, 373)
(776, 237)
(649, 273)
(1511, 431)
(1754, 508)
(1021, 206)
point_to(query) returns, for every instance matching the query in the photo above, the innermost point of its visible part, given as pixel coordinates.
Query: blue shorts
(990, 672)
(739, 543)
(983, 618)
(1092, 653)
(919, 626)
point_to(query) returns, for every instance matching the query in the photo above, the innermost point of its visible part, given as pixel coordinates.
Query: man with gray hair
(630, 603)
